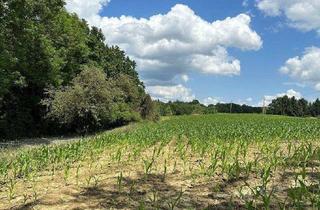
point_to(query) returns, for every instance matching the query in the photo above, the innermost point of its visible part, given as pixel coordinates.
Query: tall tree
(315, 108)
(43, 46)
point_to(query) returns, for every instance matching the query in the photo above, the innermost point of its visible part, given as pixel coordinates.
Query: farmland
(195, 162)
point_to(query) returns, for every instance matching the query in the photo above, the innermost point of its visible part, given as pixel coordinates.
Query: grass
(197, 162)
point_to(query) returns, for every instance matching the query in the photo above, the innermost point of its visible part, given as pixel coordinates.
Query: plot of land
(189, 162)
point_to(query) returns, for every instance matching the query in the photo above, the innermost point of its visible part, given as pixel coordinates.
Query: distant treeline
(279, 106)
(195, 107)
(57, 75)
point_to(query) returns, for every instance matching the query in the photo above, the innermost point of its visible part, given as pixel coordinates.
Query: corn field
(186, 162)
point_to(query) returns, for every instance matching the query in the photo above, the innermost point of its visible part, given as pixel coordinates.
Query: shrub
(91, 102)
(148, 109)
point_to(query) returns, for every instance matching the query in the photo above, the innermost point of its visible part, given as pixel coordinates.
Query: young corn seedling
(148, 164)
(119, 181)
(154, 199)
(213, 166)
(173, 203)
(11, 185)
(132, 187)
(77, 174)
(174, 166)
(164, 170)
(249, 203)
(96, 180)
(66, 173)
(89, 179)
(262, 191)
(34, 189)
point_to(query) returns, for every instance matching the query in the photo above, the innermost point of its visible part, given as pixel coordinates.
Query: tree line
(195, 107)
(279, 106)
(57, 75)
(294, 107)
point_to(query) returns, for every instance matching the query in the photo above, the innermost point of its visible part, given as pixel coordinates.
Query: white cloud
(304, 15)
(86, 9)
(306, 68)
(217, 63)
(171, 93)
(185, 78)
(290, 93)
(245, 3)
(300, 85)
(168, 46)
(249, 100)
(211, 100)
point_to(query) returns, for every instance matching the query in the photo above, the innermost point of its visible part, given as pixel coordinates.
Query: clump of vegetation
(44, 47)
(184, 108)
(92, 101)
(294, 107)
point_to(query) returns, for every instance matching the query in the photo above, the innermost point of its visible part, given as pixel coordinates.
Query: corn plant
(119, 181)
(174, 202)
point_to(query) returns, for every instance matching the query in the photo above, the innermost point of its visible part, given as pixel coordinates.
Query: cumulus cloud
(303, 15)
(211, 100)
(249, 100)
(185, 78)
(171, 93)
(290, 93)
(306, 68)
(168, 45)
(86, 9)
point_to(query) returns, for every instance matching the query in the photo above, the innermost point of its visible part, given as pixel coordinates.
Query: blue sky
(243, 60)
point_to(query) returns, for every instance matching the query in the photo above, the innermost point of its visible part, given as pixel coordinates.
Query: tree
(134, 94)
(280, 106)
(38, 42)
(91, 102)
(292, 107)
(303, 108)
(211, 109)
(315, 108)
(148, 109)
(43, 46)
(164, 109)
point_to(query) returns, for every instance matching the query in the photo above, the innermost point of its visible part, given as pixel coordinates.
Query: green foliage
(236, 108)
(211, 109)
(42, 46)
(294, 107)
(280, 106)
(315, 108)
(195, 107)
(92, 101)
(180, 108)
(149, 109)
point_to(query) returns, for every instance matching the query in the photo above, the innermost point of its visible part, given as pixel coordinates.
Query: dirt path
(12, 146)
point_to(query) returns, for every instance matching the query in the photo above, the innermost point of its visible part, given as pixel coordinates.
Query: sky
(240, 51)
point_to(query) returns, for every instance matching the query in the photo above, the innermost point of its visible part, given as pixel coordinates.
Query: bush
(91, 102)
(149, 110)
